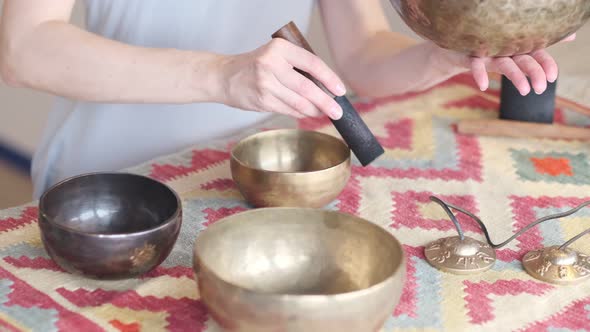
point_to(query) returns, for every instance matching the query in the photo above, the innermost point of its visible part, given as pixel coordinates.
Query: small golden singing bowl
(290, 168)
(109, 225)
(293, 269)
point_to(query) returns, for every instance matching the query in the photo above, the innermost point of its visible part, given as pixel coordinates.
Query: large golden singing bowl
(493, 27)
(290, 168)
(291, 269)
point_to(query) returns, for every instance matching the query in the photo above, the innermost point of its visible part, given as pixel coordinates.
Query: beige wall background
(23, 113)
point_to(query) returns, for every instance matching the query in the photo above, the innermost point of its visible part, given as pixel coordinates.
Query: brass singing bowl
(292, 269)
(290, 168)
(493, 27)
(109, 225)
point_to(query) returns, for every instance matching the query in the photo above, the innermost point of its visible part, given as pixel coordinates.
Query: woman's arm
(376, 61)
(40, 49)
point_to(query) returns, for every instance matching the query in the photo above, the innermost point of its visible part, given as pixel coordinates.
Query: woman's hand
(264, 81)
(539, 66)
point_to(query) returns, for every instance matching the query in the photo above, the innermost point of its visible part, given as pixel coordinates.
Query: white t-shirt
(87, 137)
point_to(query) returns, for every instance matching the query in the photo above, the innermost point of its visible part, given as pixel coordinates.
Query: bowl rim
(165, 223)
(290, 130)
(312, 297)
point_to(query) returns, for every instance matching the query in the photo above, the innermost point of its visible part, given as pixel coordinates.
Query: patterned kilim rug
(507, 182)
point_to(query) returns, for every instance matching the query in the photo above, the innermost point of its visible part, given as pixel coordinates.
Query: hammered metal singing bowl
(291, 269)
(109, 225)
(290, 168)
(493, 27)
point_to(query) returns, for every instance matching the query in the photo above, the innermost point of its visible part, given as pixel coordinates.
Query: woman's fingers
(548, 63)
(507, 67)
(306, 61)
(569, 38)
(296, 102)
(539, 66)
(531, 68)
(480, 74)
(275, 74)
(307, 95)
(276, 105)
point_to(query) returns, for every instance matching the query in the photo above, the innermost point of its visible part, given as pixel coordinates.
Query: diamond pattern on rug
(560, 167)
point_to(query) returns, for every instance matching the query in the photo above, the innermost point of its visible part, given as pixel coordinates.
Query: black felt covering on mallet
(356, 134)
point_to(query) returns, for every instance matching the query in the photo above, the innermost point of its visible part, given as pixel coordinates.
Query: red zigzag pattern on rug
(574, 317)
(26, 296)
(183, 314)
(201, 159)
(28, 216)
(479, 305)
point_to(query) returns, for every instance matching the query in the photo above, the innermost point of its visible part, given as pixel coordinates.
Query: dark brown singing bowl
(292, 269)
(109, 225)
(290, 168)
(493, 27)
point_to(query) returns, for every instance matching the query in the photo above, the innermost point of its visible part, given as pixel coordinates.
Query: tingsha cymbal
(467, 256)
(557, 266)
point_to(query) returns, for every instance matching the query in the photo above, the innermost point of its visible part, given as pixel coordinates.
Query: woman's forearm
(373, 60)
(389, 65)
(59, 58)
